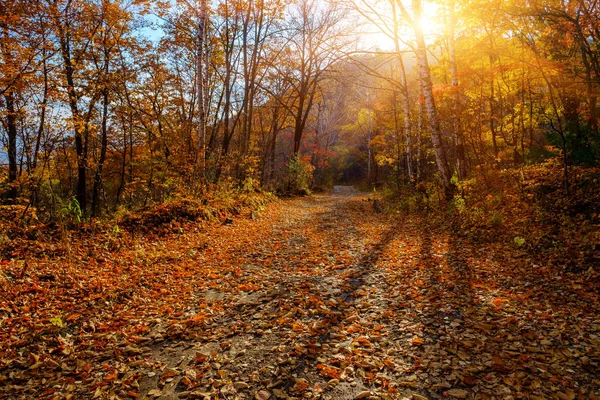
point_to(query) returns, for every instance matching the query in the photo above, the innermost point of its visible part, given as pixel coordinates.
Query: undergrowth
(528, 209)
(21, 226)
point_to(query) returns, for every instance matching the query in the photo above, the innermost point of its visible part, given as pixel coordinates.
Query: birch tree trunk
(432, 114)
(201, 85)
(427, 90)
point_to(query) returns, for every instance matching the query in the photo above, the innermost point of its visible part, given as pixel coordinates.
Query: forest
(272, 199)
(124, 104)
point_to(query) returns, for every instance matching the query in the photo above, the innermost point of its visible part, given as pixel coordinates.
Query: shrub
(299, 176)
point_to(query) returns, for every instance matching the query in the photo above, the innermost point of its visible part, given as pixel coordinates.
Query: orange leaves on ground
(355, 328)
(363, 341)
(298, 327)
(248, 287)
(73, 317)
(388, 362)
(417, 341)
(197, 319)
(200, 358)
(301, 385)
(390, 314)
(111, 377)
(499, 301)
(329, 371)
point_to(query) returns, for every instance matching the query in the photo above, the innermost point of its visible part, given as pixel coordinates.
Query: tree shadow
(341, 306)
(448, 314)
(489, 324)
(481, 326)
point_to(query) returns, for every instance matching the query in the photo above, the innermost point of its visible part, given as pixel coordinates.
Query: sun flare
(379, 36)
(430, 26)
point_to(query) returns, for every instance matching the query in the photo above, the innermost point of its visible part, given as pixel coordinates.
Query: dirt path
(345, 190)
(349, 304)
(303, 280)
(323, 298)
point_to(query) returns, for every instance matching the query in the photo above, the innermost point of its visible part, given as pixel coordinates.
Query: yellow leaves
(382, 159)
(56, 321)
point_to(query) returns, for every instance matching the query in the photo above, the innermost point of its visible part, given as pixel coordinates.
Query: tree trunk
(407, 123)
(123, 161)
(201, 87)
(432, 114)
(78, 123)
(103, 145)
(11, 122)
(298, 126)
(43, 107)
(397, 132)
(493, 111)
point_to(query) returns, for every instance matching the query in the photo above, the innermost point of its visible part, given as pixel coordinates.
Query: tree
(112, 43)
(75, 24)
(317, 40)
(426, 86)
(19, 48)
(386, 16)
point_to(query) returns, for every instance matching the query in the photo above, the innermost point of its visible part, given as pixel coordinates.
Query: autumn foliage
(180, 213)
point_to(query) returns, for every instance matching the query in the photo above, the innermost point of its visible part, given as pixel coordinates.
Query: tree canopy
(125, 102)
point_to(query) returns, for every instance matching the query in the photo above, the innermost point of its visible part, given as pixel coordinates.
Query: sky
(372, 39)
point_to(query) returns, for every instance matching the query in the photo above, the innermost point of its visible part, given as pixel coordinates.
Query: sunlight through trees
(230, 91)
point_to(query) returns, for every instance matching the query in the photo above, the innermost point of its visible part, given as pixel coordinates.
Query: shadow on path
(333, 324)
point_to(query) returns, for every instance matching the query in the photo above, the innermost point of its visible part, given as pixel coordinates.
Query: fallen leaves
(329, 371)
(155, 393)
(363, 395)
(417, 341)
(457, 393)
(337, 302)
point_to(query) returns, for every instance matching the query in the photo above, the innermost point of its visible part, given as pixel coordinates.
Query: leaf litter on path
(319, 298)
